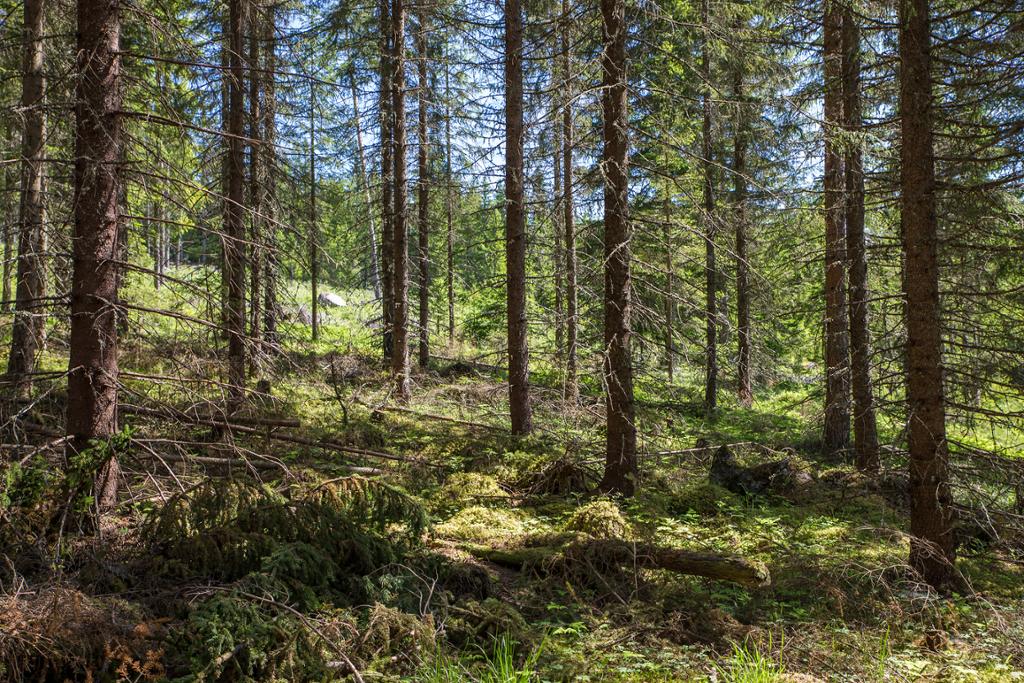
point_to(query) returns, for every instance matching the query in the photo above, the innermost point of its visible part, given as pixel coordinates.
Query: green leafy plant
(748, 663)
(501, 662)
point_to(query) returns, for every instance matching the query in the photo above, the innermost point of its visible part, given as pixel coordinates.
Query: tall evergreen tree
(400, 253)
(93, 363)
(515, 224)
(620, 469)
(27, 336)
(931, 514)
(837, 330)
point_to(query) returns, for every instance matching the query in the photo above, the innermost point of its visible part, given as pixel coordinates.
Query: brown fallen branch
(624, 553)
(326, 444)
(254, 462)
(257, 421)
(444, 418)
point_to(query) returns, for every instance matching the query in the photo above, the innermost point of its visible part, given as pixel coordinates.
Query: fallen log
(624, 553)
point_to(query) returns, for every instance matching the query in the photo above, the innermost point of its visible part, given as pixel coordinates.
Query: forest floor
(287, 568)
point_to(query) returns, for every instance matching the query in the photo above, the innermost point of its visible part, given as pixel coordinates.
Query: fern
(298, 540)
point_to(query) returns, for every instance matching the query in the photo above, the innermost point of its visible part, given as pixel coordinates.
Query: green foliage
(291, 542)
(442, 668)
(35, 495)
(231, 637)
(749, 664)
(502, 662)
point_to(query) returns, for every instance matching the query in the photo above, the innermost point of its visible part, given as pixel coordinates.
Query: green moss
(703, 498)
(471, 488)
(484, 525)
(599, 519)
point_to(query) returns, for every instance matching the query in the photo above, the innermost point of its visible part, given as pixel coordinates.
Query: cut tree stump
(625, 553)
(770, 476)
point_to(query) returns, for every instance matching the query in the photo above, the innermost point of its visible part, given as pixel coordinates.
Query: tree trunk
(515, 224)
(92, 367)
(270, 258)
(931, 525)
(423, 187)
(836, 436)
(28, 331)
(670, 351)
(556, 228)
(234, 245)
(449, 208)
(625, 553)
(314, 230)
(159, 252)
(400, 351)
(257, 182)
(572, 390)
(739, 180)
(387, 179)
(865, 430)
(5, 268)
(710, 226)
(620, 458)
(365, 180)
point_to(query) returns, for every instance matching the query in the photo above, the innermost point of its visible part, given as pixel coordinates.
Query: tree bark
(515, 224)
(27, 334)
(313, 237)
(92, 367)
(865, 430)
(270, 259)
(158, 246)
(257, 181)
(836, 436)
(739, 179)
(400, 351)
(5, 290)
(670, 351)
(638, 555)
(234, 246)
(387, 179)
(558, 251)
(620, 469)
(423, 195)
(571, 391)
(710, 225)
(364, 179)
(449, 202)
(932, 548)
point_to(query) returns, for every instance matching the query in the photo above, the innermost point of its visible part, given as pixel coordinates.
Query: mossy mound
(483, 525)
(599, 519)
(483, 622)
(701, 497)
(471, 488)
